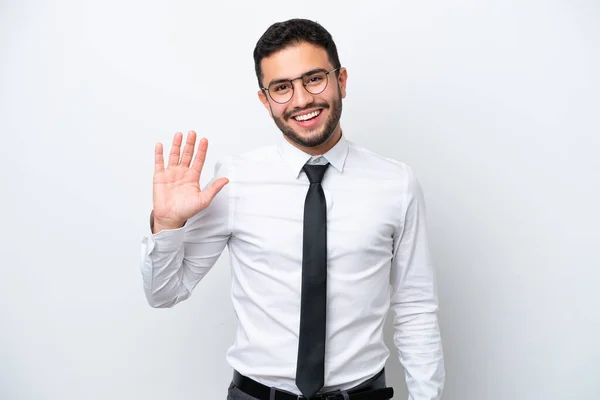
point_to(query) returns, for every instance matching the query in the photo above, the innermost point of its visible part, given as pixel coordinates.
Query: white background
(494, 104)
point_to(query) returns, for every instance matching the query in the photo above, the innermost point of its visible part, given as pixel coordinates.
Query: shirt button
(318, 159)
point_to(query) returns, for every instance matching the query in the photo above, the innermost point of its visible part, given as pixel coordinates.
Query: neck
(323, 147)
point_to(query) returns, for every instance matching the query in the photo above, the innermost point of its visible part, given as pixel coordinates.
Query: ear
(342, 79)
(263, 99)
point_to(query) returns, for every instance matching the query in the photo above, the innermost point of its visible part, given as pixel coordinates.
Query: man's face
(325, 108)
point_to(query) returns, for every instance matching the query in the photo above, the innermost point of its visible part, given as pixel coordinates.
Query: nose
(301, 97)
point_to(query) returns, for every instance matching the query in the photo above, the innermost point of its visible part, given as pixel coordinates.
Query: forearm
(175, 260)
(162, 268)
(418, 340)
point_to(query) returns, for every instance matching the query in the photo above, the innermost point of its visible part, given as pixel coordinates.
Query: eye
(281, 87)
(315, 79)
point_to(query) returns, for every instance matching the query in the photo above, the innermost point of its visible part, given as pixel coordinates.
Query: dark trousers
(234, 393)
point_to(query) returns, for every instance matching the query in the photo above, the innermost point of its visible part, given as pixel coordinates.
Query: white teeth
(307, 116)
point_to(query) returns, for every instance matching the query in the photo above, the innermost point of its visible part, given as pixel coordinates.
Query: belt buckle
(332, 396)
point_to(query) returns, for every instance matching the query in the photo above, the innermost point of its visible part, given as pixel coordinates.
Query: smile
(308, 116)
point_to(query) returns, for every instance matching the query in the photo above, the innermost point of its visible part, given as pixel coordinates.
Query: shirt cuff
(165, 241)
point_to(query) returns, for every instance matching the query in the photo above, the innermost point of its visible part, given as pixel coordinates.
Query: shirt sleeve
(174, 261)
(414, 301)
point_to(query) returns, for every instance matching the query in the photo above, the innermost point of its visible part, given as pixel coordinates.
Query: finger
(215, 188)
(175, 150)
(159, 163)
(200, 156)
(188, 150)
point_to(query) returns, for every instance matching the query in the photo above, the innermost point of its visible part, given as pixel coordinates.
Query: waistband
(372, 389)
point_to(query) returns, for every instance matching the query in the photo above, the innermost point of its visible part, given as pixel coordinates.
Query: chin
(314, 136)
(309, 139)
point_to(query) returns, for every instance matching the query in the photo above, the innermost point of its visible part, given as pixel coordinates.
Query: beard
(314, 137)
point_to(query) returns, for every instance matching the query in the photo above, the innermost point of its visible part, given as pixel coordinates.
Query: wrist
(157, 224)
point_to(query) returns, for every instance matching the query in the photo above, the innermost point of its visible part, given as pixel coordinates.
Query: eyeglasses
(315, 82)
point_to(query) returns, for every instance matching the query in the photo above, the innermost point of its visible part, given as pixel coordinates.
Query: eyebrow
(287, 79)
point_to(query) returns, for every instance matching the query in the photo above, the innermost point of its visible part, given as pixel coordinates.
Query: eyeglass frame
(291, 81)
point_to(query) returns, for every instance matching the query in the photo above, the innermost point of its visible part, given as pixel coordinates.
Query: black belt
(373, 389)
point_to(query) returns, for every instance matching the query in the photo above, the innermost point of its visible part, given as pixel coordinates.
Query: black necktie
(310, 369)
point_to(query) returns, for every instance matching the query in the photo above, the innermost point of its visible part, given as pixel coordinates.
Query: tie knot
(314, 172)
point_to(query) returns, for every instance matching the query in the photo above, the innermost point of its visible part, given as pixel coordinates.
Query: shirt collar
(294, 158)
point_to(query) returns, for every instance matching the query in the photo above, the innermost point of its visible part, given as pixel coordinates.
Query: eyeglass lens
(314, 83)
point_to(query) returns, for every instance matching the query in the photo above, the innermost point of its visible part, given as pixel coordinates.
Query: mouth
(308, 119)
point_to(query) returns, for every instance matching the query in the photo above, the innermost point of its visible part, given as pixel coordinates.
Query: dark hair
(289, 33)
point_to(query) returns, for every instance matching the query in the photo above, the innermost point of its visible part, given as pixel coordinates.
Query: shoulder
(258, 154)
(392, 182)
(236, 161)
(395, 176)
(386, 167)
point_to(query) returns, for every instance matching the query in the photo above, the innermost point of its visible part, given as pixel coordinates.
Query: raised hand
(176, 193)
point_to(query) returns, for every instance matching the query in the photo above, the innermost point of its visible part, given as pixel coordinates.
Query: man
(324, 238)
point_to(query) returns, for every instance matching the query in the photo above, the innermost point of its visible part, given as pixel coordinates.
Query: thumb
(215, 187)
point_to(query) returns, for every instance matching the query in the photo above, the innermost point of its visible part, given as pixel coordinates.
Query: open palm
(176, 190)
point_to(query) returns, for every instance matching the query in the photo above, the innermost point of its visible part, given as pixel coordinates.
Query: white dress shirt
(377, 259)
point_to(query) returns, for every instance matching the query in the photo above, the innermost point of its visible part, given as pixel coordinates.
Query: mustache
(288, 114)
